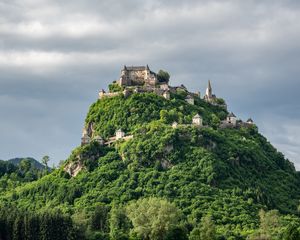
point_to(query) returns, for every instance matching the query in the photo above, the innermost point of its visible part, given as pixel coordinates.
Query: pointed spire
(209, 90)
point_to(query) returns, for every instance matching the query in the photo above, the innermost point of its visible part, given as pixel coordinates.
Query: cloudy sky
(56, 55)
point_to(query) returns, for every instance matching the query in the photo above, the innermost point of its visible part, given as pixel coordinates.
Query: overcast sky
(55, 56)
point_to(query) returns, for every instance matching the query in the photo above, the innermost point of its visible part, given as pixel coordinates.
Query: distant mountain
(35, 163)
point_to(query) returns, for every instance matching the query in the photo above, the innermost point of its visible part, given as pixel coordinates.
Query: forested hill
(34, 163)
(183, 182)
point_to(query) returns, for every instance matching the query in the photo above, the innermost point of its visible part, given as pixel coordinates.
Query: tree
(269, 226)
(292, 232)
(163, 76)
(153, 218)
(45, 161)
(206, 231)
(119, 224)
(99, 218)
(269, 223)
(25, 165)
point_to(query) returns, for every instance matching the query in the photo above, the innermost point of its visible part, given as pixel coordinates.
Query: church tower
(209, 96)
(209, 90)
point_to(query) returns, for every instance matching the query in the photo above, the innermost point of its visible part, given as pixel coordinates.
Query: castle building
(231, 119)
(137, 75)
(250, 121)
(190, 99)
(209, 96)
(197, 120)
(120, 134)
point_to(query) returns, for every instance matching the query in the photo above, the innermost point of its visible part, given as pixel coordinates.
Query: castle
(138, 76)
(140, 79)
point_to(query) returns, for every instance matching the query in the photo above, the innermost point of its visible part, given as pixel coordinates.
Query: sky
(56, 55)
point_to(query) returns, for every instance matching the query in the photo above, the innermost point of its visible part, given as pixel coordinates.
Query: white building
(174, 125)
(120, 134)
(231, 119)
(250, 121)
(190, 99)
(197, 120)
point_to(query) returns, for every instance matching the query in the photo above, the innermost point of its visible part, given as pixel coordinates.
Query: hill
(34, 163)
(164, 180)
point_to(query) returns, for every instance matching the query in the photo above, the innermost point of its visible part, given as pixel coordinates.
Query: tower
(231, 119)
(120, 134)
(209, 90)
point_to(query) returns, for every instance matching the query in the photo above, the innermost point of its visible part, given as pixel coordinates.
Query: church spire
(209, 90)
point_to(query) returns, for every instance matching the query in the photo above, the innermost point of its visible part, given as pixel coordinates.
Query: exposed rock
(73, 168)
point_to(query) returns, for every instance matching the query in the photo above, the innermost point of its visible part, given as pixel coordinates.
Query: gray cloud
(55, 56)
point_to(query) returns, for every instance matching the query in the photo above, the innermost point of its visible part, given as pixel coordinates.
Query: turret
(250, 121)
(101, 93)
(231, 119)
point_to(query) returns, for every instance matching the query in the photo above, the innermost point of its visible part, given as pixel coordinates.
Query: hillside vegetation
(165, 183)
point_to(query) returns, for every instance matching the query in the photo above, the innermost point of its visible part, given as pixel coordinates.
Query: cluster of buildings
(120, 134)
(140, 79)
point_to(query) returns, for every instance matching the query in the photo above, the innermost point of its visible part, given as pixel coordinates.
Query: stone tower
(209, 90)
(209, 96)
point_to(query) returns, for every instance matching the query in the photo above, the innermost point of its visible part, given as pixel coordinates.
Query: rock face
(73, 168)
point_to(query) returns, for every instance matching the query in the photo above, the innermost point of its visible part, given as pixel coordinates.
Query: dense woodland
(165, 183)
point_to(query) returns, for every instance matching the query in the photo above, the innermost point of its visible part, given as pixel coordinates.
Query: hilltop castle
(140, 79)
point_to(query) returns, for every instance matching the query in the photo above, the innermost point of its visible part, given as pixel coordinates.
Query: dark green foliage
(292, 232)
(114, 87)
(119, 223)
(163, 76)
(50, 225)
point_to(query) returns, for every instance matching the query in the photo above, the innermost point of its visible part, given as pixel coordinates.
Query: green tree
(25, 165)
(115, 87)
(45, 161)
(153, 218)
(292, 232)
(269, 227)
(119, 224)
(206, 231)
(269, 223)
(99, 218)
(163, 76)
